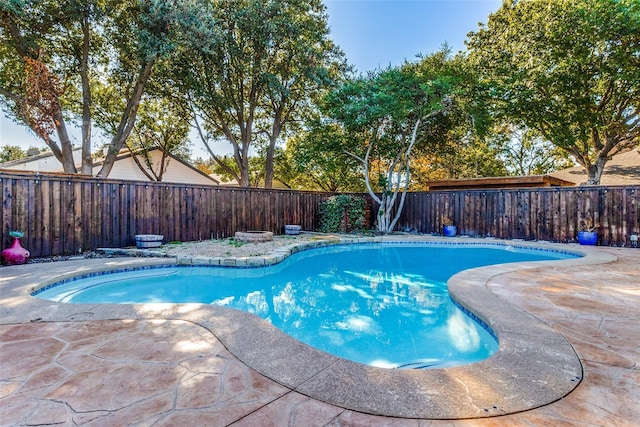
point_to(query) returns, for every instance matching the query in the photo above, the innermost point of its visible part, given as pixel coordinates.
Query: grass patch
(236, 243)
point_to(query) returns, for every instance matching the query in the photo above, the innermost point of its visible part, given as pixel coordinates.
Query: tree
(568, 69)
(525, 153)
(11, 152)
(458, 144)
(457, 158)
(268, 61)
(14, 152)
(227, 169)
(313, 164)
(163, 122)
(32, 82)
(55, 54)
(387, 111)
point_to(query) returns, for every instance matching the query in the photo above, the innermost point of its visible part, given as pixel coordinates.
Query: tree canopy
(386, 113)
(252, 74)
(270, 59)
(568, 69)
(15, 152)
(313, 164)
(55, 55)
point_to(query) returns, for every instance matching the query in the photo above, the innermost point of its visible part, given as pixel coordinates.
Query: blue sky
(372, 33)
(377, 33)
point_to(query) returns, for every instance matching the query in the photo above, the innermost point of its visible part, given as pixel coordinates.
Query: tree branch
(128, 118)
(213, 156)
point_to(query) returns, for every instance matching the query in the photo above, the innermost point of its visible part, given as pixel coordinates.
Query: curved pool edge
(534, 365)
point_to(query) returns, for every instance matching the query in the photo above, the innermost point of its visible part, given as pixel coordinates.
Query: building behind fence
(67, 214)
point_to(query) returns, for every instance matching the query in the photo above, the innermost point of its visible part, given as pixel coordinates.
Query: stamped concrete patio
(162, 365)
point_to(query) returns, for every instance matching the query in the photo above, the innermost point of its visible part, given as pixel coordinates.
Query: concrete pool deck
(192, 363)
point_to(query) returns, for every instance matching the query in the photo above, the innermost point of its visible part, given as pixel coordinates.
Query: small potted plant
(588, 234)
(449, 229)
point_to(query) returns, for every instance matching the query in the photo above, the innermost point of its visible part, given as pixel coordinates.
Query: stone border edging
(534, 365)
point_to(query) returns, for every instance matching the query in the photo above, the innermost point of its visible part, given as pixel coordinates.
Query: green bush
(342, 213)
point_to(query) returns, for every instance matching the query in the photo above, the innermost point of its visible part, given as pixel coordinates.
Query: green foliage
(14, 152)
(568, 69)
(316, 164)
(86, 60)
(236, 243)
(258, 76)
(385, 114)
(342, 213)
(525, 153)
(459, 159)
(11, 152)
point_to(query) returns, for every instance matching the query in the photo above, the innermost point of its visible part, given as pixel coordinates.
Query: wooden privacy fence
(67, 214)
(552, 214)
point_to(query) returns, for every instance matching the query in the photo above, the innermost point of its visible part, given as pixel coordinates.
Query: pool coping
(533, 366)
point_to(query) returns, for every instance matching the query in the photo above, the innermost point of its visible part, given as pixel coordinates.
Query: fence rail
(67, 214)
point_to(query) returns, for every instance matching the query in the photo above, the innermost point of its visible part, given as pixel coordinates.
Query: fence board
(61, 214)
(552, 214)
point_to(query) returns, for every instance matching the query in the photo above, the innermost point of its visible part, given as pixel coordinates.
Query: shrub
(343, 213)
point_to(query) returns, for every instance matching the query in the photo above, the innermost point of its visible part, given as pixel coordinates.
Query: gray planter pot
(292, 229)
(146, 241)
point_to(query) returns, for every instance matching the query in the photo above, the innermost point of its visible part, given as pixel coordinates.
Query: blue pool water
(384, 305)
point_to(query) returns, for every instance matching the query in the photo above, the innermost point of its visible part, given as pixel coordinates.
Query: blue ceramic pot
(587, 237)
(450, 230)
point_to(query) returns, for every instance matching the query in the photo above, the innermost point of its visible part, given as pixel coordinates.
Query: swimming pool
(379, 304)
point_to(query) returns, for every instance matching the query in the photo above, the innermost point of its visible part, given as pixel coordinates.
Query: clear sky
(377, 33)
(372, 33)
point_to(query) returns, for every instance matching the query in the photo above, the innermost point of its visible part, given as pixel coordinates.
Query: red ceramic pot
(15, 254)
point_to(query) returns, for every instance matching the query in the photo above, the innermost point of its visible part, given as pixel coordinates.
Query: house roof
(12, 164)
(125, 154)
(622, 169)
(499, 182)
(23, 164)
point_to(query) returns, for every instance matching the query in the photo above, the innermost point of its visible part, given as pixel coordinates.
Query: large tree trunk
(595, 170)
(127, 121)
(242, 159)
(66, 147)
(244, 172)
(273, 138)
(604, 145)
(241, 153)
(87, 161)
